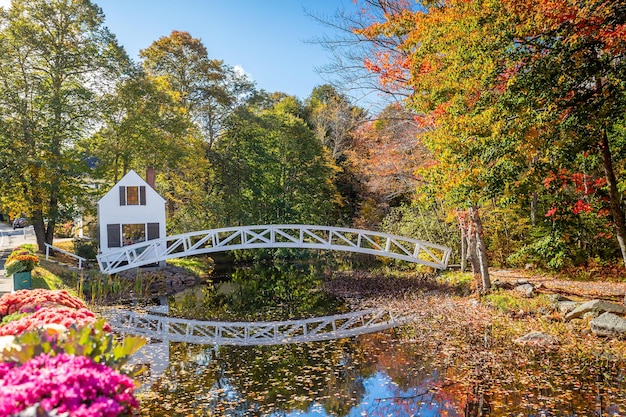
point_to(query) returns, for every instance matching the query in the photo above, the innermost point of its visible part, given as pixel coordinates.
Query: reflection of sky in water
(382, 398)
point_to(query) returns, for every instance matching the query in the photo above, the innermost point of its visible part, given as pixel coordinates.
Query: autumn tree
(447, 54)
(389, 150)
(56, 60)
(334, 118)
(512, 93)
(568, 61)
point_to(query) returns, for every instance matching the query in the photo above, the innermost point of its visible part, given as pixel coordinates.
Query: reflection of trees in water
(251, 380)
(292, 377)
(262, 292)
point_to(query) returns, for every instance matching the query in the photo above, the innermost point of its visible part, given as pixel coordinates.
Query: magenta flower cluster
(68, 384)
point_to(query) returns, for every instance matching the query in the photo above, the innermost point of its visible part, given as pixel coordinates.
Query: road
(9, 239)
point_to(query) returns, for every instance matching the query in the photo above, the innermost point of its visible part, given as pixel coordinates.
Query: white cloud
(240, 72)
(238, 69)
(5, 3)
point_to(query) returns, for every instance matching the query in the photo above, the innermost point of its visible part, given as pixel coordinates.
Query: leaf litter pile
(457, 358)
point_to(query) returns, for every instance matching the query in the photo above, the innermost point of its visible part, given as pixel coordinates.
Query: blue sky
(266, 38)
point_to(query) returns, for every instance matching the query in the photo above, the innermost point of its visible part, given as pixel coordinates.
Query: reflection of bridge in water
(274, 236)
(174, 329)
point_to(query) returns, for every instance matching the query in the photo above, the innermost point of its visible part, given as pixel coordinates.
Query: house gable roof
(130, 179)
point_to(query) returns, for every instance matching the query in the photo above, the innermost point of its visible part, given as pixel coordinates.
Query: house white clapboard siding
(131, 212)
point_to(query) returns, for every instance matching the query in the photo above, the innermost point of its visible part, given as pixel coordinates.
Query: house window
(119, 235)
(133, 195)
(133, 233)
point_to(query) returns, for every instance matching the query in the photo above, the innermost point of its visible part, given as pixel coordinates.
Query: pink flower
(64, 316)
(69, 384)
(32, 300)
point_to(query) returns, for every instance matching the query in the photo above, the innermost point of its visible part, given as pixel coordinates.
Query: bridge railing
(253, 333)
(275, 236)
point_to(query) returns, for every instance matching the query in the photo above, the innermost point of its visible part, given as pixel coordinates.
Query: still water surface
(369, 375)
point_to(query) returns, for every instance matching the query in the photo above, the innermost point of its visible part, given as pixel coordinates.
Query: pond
(380, 374)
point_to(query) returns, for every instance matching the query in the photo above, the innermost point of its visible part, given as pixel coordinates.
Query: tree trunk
(40, 233)
(463, 251)
(481, 249)
(50, 231)
(614, 196)
(533, 209)
(471, 249)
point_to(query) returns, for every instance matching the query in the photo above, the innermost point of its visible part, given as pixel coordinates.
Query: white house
(131, 212)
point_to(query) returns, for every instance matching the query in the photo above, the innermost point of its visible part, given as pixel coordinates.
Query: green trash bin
(22, 281)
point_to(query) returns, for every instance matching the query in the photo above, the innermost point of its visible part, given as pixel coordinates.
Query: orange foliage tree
(506, 92)
(388, 151)
(450, 63)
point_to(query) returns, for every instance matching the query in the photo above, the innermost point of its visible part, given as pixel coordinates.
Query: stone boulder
(537, 339)
(597, 307)
(608, 324)
(501, 285)
(527, 290)
(566, 307)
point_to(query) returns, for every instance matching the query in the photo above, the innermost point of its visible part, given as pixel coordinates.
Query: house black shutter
(153, 231)
(142, 195)
(114, 237)
(122, 195)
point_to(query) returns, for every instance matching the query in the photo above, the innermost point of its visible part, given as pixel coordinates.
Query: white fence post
(80, 259)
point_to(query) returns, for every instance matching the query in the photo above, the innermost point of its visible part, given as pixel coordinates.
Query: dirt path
(586, 289)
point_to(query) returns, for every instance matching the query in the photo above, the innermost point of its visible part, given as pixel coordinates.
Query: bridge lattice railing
(253, 333)
(275, 236)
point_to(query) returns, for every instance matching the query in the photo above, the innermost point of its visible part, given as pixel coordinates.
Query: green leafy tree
(143, 127)
(335, 121)
(56, 60)
(273, 169)
(207, 88)
(208, 91)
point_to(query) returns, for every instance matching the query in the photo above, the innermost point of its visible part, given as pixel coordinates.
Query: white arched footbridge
(274, 236)
(252, 333)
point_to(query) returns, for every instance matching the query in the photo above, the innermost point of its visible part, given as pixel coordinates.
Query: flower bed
(56, 355)
(68, 384)
(21, 259)
(24, 300)
(63, 316)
